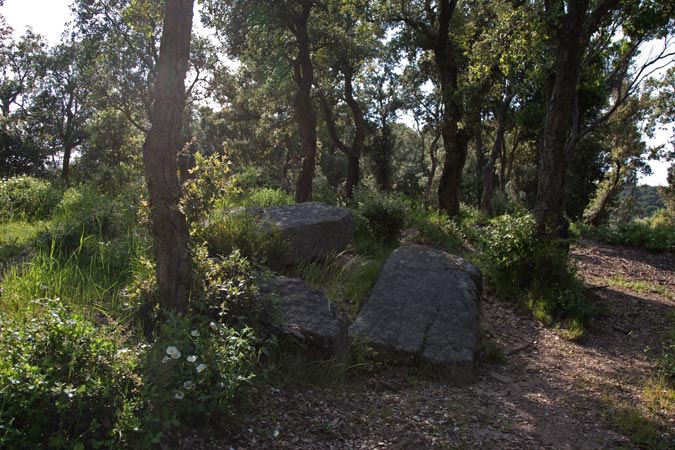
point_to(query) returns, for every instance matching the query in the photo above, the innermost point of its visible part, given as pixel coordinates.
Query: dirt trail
(546, 393)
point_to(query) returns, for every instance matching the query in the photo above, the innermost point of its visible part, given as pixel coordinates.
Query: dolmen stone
(306, 314)
(424, 307)
(314, 230)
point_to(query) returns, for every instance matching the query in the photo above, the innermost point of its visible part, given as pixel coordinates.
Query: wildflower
(173, 352)
(166, 359)
(201, 367)
(191, 358)
(179, 395)
(194, 333)
(213, 325)
(188, 384)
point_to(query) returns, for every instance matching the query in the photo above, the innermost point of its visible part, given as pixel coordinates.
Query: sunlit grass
(641, 286)
(88, 278)
(18, 236)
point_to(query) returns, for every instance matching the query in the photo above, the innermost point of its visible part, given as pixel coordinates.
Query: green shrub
(194, 369)
(228, 288)
(640, 234)
(84, 212)
(266, 197)
(536, 273)
(384, 215)
(244, 232)
(27, 198)
(65, 383)
(211, 181)
(438, 230)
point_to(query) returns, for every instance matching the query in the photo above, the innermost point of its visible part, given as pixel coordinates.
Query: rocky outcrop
(306, 314)
(314, 230)
(424, 306)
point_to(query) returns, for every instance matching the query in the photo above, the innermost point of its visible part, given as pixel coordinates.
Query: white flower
(194, 333)
(166, 359)
(179, 395)
(188, 384)
(191, 358)
(201, 367)
(173, 352)
(213, 325)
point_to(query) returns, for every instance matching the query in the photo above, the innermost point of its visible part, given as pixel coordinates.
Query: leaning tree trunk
(304, 110)
(354, 151)
(549, 206)
(160, 158)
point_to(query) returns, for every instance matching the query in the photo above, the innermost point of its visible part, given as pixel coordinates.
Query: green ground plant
(346, 279)
(194, 369)
(242, 231)
(266, 197)
(66, 382)
(639, 233)
(536, 274)
(27, 198)
(17, 237)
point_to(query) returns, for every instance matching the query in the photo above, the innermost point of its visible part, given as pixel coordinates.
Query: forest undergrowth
(82, 337)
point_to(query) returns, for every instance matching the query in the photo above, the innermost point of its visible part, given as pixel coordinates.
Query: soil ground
(534, 389)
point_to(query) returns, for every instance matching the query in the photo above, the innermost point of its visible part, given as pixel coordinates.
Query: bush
(384, 215)
(84, 211)
(266, 197)
(211, 180)
(536, 273)
(27, 198)
(640, 234)
(229, 289)
(244, 232)
(438, 230)
(65, 383)
(194, 369)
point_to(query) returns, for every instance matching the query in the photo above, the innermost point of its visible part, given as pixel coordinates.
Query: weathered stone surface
(306, 313)
(314, 230)
(424, 305)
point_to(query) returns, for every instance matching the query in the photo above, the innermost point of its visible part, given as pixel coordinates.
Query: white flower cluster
(173, 353)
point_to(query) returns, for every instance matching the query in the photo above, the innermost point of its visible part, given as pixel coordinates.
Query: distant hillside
(645, 200)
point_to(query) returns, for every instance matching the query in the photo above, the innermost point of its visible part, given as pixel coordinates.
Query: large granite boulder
(306, 314)
(314, 230)
(424, 306)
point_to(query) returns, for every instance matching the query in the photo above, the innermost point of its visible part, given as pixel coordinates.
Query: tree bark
(304, 110)
(160, 158)
(455, 142)
(354, 151)
(549, 207)
(497, 148)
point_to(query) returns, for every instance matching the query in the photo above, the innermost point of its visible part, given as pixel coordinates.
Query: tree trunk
(160, 157)
(480, 157)
(549, 207)
(454, 141)
(304, 110)
(65, 170)
(354, 151)
(433, 156)
(497, 148)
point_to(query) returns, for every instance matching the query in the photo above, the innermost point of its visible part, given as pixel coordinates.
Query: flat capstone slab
(314, 230)
(424, 306)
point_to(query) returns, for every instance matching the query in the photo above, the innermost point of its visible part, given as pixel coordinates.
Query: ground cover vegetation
(135, 153)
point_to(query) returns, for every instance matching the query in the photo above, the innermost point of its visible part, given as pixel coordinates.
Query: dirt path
(534, 389)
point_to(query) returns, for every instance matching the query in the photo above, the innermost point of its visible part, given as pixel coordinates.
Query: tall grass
(346, 279)
(89, 277)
